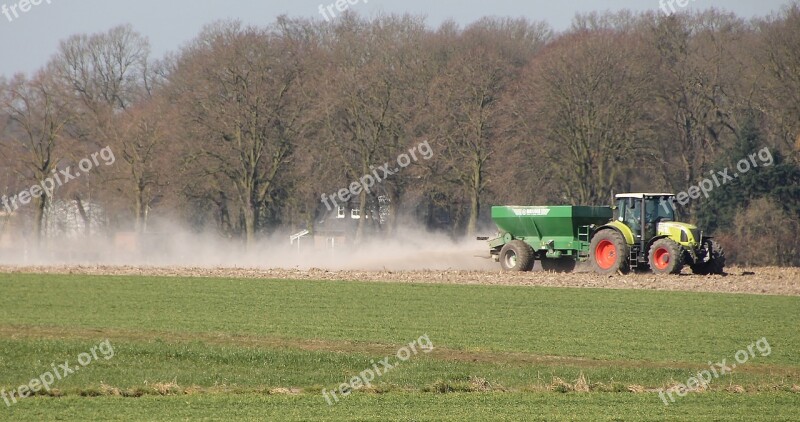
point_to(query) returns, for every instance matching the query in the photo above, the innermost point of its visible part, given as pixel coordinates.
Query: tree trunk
(38, 219)
(475, 201)
(249, 225)
(362, 212)
(474, 209)
(138, 211)
(84, 216)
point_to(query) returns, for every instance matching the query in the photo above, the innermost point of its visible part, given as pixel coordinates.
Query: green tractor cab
(640, 232)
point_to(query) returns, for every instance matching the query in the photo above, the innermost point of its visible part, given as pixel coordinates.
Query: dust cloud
(410, 249)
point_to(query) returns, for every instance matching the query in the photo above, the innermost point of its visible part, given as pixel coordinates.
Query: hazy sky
(29, 39)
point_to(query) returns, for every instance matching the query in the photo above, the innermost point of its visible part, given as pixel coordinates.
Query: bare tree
(110, 79)
(699, 93)
(589, 103)
(467, 101)
(469, 95)
(38, 121)
(144, 133)
(237, 90)
(368, 97)
(780, 88)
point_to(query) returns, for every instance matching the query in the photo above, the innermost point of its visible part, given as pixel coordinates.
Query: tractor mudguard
(624, 230)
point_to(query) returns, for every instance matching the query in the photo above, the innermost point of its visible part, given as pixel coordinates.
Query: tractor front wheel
(666, 257)
(609, 253)
(516, 255)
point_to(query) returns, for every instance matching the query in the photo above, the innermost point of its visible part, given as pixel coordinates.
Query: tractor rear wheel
(516, 255)
(716, 265)
(559, 265)
(609, 253)
(666, 257)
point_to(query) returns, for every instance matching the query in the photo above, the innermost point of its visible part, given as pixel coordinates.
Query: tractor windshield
(659, 208)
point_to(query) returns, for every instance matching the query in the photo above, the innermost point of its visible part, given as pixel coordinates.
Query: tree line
(245, 127)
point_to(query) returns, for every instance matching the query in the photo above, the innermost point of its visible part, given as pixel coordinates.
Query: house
(338, 227)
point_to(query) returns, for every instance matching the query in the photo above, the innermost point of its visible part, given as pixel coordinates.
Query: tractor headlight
(684, 236)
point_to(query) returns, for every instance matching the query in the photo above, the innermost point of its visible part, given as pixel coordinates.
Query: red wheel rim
(605, 254)
(661, 258)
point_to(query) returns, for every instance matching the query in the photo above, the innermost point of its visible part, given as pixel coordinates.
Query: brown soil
(770, 280)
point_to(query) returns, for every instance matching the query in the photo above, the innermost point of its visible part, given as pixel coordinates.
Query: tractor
(639, 233)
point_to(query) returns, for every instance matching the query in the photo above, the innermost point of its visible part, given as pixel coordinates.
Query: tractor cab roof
(642, 195)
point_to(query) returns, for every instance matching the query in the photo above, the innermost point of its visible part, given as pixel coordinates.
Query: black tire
(609, 253)
(716, 265)
(559, 265)
(666, 257)
(516, 255)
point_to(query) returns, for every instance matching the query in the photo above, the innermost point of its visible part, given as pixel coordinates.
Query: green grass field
(192, 348)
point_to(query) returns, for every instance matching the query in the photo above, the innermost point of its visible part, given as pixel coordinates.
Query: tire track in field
(18, 332)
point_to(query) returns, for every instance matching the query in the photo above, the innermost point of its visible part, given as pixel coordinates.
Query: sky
(29, 34)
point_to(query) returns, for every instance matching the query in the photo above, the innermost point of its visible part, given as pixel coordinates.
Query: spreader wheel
(516, 255)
